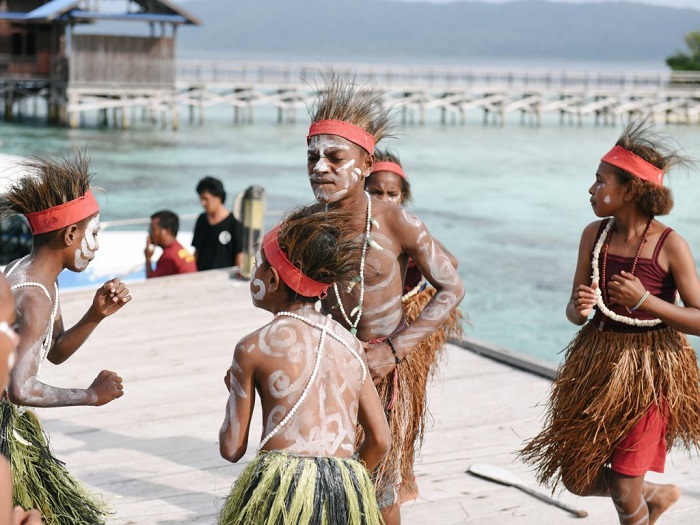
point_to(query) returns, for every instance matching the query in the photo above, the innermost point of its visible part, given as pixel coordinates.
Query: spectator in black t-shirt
(217, 235)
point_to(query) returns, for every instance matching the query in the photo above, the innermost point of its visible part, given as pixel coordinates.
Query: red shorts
(644, 448)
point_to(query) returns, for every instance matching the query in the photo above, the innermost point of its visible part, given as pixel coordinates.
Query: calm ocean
(510, 202)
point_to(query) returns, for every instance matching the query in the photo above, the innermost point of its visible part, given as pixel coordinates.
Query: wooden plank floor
(154, 455)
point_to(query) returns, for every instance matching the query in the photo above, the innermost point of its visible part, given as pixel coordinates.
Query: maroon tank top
(659, 282)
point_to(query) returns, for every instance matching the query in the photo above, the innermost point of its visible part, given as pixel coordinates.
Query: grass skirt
(605, 386)
(279, 489)
(404, 400)
(39, 480)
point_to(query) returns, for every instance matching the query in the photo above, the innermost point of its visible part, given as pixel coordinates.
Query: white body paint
(606, 199)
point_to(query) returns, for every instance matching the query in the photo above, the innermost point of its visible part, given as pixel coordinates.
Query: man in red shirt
(175, 258)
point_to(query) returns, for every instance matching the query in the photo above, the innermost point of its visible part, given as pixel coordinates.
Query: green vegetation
(684, 61)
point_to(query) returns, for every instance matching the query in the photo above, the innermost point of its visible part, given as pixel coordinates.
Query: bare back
(324, 424)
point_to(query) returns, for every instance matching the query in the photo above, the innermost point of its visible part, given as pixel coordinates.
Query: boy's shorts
(644, 448)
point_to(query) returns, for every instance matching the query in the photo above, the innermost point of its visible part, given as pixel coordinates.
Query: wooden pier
(153, 454)
(448, 95)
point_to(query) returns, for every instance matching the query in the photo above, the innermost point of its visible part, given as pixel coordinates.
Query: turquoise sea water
(510, 202)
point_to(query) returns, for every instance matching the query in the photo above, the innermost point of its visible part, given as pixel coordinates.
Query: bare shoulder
(32, 299)
(675, 243)
(590, 232)
(248, 347)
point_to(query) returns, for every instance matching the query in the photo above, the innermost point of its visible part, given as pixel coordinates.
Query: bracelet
(644, 298)
(397, 359)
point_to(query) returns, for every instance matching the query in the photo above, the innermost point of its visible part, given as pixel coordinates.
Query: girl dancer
(629, 387)
(54, 195)
(313, 383)
(405, 403)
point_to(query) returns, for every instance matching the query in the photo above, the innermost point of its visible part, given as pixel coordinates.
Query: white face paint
(329, 183)
(257, 287)
(606, 200)
(88, 245)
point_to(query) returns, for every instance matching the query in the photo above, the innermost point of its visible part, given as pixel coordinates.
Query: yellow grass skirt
(404, 399)
(39, 480)
(606, 384)
(279, 489)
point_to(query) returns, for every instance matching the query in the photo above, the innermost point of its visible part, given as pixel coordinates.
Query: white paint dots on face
(606, 200)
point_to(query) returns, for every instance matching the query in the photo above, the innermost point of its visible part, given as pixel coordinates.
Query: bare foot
(408, 491)
(659, 498)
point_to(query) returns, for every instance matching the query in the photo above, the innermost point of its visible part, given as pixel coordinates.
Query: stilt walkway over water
(422, 94)
(154, 453)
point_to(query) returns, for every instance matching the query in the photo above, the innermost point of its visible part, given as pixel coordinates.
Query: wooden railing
(426, 76)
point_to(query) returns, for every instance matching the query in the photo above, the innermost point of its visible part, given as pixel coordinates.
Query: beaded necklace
(358, 309)
(324, 331)
(601, 292)
(49, 336)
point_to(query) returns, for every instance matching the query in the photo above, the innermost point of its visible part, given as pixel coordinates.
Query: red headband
(290, 274)
(393, 167)
(635, 165)
(63, 215)
(354, 134)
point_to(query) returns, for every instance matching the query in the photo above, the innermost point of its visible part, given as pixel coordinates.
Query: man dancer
(348, 120)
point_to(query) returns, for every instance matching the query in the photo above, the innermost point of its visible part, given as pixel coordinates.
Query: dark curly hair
(640, 139)
(322, 244)
(391, 156)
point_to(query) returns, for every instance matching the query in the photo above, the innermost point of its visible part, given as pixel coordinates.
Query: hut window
(31, 44)
(16, 44)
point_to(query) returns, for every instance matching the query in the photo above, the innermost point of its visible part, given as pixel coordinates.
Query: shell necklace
(321, 343)
(48, 340)
(601, 294)
(357, 311)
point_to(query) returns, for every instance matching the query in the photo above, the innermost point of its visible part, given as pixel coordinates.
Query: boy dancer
(55, 197)
(313, 384)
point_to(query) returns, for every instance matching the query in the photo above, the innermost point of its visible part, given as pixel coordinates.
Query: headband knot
(634, 164)
(351, 132)
(57, 217)
(290, 274)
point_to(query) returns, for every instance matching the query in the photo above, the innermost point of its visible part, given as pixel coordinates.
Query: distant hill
(611, 31)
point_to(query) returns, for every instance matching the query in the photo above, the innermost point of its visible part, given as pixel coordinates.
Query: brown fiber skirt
(605, 386)
(403, 395)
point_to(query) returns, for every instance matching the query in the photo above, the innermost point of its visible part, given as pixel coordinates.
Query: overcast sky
(668, 3)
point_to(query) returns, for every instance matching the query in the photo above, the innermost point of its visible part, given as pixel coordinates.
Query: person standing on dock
(175, 259)
(629, 387)
(347, 121)
(218, 236)
(54, 195)
(388, 182)
(314, 386)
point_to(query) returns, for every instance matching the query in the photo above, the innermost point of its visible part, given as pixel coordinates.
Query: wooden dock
(455, 95)
(154, 453)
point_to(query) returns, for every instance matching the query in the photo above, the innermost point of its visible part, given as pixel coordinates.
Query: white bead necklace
(358, 309)
(46, 345)
(599, 293)
(324, 330)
